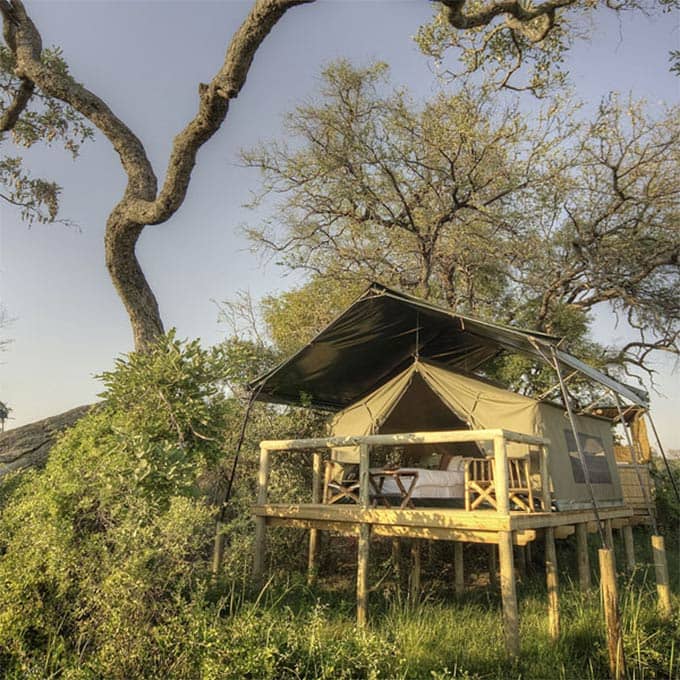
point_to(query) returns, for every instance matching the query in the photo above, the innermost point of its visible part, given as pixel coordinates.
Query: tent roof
(381, 333)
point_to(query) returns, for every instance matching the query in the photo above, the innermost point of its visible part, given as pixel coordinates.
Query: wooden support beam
(609, 533)
(493, 564)
(415, 570)
(508, 594)
(362, 574)
(617, 664)
(458, 569)
(312, 568)
(521, 562)
(363, 543)
(582, 557)
(552, 584)
(661, 569)
(396, 561)
(629, 546)
(260, 522)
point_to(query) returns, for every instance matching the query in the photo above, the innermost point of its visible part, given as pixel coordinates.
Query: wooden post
(261, 522)
(458, 569)
(617, 665)
(314, 533)
(661, 569)
(521, 562)
(501, 476)
(493, 565)
(546, 499)
(396, 561)
(609, 533)
(629, 545)
(582, 557)
(552, 584)
(530, 558)
(415, 570)
(508, 594)
(364, 539)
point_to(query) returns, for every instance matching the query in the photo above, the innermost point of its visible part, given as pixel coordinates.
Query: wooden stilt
(552, 584)
(312, 568)
(508, 593)
(629, 545)
(415, 569)
(617, 666)
(609, 533)
(363, 543)
(582, 557)
(493, 565)
(260, 522)
(458, 569)
(396, 560)
(362, 574)
(521, 561)
(530, 557)
(661, 568)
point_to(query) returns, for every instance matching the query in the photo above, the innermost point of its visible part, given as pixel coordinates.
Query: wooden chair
(519, 484)
(480, 486)
(342, 487)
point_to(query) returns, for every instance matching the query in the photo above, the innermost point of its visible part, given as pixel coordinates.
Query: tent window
(595, 457)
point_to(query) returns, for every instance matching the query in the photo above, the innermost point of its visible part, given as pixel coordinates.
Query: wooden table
(377, 479)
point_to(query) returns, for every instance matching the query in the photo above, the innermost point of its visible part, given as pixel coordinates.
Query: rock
(30, 444)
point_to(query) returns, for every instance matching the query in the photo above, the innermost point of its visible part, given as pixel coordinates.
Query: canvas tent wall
(426, 396)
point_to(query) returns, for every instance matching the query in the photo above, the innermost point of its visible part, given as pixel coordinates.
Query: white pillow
(456, 464)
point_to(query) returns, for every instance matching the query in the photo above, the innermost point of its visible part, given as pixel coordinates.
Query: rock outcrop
(30, 444)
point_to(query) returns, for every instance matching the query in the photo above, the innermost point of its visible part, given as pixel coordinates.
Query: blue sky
(146, 60)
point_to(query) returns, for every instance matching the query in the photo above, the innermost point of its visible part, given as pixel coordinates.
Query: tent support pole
(579, 448)
(633, 456)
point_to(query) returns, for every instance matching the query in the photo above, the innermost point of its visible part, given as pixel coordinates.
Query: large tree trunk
(30, 445)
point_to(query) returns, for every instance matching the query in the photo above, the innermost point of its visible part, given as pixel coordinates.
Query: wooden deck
(481, 526)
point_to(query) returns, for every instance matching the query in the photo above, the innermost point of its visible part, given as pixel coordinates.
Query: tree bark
(142, 203)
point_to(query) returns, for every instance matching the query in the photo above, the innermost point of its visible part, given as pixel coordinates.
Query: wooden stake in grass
(314, 533)
(617, 665)
(661, 569)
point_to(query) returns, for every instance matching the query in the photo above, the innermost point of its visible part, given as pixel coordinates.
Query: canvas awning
(379, 335)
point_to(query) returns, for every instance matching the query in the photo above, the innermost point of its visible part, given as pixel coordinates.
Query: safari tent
(428, 397)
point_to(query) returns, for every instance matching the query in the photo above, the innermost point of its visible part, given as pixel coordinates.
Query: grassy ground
(440, 637)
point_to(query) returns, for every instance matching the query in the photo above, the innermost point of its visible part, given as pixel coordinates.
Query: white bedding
(430, 483)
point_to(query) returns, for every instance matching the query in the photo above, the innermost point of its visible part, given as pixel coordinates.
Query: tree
(467, 203)
(41, 101)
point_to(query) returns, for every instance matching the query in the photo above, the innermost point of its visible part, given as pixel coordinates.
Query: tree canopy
(530, 220)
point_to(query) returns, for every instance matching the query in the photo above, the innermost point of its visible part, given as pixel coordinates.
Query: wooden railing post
(501, 481)
(546, 500)
(364, 538)
(261, 522)
(314, 533)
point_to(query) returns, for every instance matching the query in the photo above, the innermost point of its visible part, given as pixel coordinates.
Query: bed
(412, 486)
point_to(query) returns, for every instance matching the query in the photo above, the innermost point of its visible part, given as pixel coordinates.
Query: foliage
(105, 544)
(47, 120)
